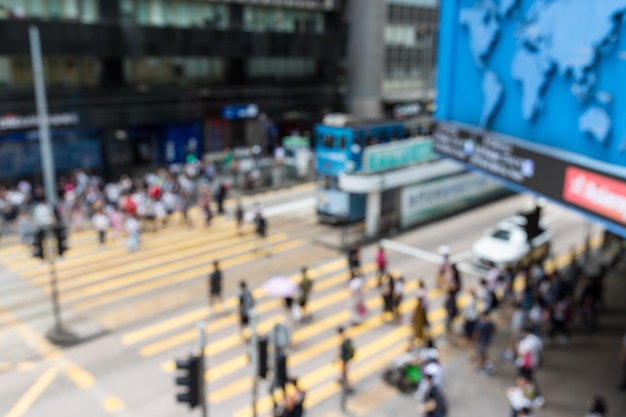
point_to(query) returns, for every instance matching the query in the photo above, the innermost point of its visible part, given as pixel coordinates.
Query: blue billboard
(548, 71)
(531, 92)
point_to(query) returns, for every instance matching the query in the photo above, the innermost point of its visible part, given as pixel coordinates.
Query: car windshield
(501, 235)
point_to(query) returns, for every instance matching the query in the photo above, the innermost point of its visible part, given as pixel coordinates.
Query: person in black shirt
(434, 402)
(215, 285)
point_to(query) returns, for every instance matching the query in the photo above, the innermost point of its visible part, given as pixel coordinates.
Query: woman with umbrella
(283, 287)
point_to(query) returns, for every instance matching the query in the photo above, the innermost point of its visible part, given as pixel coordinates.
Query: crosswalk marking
(152, 245)
(231, 320)
(301, 356)
(133, 273)
(181, 277)
(193, 316)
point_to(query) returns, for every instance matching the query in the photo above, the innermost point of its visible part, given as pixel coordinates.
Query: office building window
(400, 35)
(274, 19)
(59, 71)
(179, 13)
(85, 10)
(174, 70)
(280, 67)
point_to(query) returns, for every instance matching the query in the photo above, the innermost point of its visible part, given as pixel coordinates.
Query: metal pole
(202, 342)
(45, 147)
(56, 306)
(254, 359)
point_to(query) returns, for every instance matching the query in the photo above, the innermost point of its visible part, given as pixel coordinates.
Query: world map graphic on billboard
(548, 71)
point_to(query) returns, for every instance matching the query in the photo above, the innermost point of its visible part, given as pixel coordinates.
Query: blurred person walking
(261, 233)
(398, 294)
(133, 231)
(452, 311)
(101, 223)
(419, 322)
(239, 216)
(483, 336)
(345, 355)
(386, 292)
(470, 315)
(521, 396)
(381, 262)
(358, 308)
(215, 286)
(305, 286)
(354, 260)
(246, 305)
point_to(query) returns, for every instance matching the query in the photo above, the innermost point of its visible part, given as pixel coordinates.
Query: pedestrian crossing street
(175, 257)
(228, 375)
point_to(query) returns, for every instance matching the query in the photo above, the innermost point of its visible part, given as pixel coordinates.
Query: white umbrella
(280, 287)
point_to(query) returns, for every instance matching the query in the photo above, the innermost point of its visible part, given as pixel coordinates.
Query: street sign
(397, 154)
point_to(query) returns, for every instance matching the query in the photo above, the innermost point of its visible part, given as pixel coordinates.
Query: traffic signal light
(60, 233)
(191, 379)
(262, 367)
(38, 238)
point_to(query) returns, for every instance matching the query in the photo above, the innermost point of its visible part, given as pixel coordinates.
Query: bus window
(408, 133)
(342, 142)
(328, 141)
(327, 183)
(369, 140)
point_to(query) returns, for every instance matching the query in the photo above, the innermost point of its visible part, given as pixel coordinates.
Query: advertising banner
(592, 191)
(433, 199)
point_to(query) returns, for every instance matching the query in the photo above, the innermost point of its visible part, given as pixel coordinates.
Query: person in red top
(381, 261)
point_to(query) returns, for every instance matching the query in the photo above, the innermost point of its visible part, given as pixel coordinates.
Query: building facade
(140, 83)
(392, 57)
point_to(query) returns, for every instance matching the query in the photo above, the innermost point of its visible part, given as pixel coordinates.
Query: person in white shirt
(133, 229)
(101, 223)
(43, 215)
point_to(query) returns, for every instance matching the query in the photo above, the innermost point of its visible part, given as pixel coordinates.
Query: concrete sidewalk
(571, 374)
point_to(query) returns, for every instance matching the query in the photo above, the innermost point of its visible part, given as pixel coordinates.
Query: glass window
(54, 9)
(328, 141)
(127, 8)
(36, 8)
(156, 12)
(5, 72)
(70, 9)
(89, 11)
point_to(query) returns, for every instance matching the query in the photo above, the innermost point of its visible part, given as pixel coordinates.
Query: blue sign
(240, 111)
(545, 71)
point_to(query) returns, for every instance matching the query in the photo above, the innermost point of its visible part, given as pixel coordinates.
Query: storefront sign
(598, 193)
(397, 154)
(432, 199)
(17, 122)
(242, 111)
(400, 111)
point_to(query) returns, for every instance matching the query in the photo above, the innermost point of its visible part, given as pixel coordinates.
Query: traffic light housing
(192, 379)
(38, 239)
(262, 366)
(60, 233)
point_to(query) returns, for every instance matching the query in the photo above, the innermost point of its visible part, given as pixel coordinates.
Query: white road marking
(461, 256)
(412, 251)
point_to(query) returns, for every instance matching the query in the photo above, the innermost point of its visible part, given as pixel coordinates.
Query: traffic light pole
(203, 400)
(56, 306)
(254, 359)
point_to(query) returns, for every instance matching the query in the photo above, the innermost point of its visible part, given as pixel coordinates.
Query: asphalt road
(149, 304)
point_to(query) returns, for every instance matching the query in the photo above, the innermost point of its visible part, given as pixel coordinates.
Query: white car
(507, 246)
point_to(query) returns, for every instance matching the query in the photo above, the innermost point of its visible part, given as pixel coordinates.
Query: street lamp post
(58, 334)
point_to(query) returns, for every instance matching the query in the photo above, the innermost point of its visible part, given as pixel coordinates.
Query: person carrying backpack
(346, 354)
(246, 305)
(435, 404)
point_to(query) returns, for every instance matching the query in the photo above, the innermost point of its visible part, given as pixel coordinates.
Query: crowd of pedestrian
(127, 206)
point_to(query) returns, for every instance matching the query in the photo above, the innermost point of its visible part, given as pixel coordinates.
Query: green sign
(397, 154)
(296, 142)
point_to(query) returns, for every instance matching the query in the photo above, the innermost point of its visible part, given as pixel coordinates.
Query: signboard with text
(393, 155)
(599, 194)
